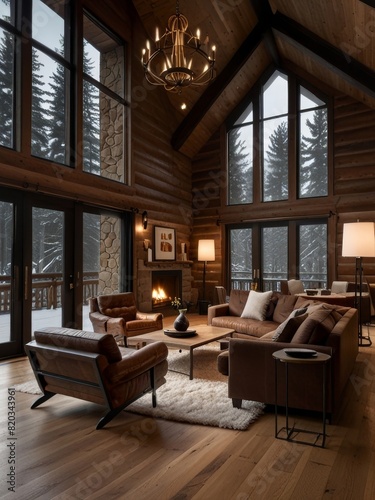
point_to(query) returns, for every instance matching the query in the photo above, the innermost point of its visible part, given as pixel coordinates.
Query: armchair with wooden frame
(117, 315)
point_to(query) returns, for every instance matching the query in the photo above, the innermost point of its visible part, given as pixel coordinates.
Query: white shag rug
(203, 400)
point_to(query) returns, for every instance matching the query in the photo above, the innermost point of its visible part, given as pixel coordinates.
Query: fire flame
(158, 294)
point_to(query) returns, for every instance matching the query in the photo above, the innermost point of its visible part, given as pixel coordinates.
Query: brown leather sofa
(250, 367)
(117, 314)
(228, 315)
(91, 366)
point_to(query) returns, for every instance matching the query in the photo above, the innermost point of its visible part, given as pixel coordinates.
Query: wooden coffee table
(205, 335)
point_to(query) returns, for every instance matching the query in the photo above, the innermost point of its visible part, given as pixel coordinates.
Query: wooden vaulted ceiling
(332, 42)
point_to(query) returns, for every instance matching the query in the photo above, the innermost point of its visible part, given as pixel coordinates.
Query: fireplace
(166, 285)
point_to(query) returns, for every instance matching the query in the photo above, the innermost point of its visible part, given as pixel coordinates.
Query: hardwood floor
(60, 455)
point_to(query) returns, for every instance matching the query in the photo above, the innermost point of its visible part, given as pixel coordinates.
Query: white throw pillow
(256, 305)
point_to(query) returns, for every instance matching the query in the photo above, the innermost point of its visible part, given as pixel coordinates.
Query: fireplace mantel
(168, 263)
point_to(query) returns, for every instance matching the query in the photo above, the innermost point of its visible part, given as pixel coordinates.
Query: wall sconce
(144, 219)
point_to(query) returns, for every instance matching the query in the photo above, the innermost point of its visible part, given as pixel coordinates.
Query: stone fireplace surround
(144, 281)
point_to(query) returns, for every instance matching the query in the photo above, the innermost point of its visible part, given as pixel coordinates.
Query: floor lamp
(206, 252)
(358, 241)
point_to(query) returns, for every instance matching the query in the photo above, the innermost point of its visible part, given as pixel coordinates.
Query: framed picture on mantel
(164, 243)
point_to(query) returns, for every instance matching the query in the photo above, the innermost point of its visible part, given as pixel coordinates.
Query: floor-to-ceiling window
(277, 145)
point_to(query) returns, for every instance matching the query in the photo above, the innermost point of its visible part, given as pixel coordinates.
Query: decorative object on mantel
(183, 252)
(147, 247)
(164, 243)
(206, 252)
(358, 240)
(178, 59)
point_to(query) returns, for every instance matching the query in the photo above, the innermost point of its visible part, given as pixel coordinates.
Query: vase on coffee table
(181, 323)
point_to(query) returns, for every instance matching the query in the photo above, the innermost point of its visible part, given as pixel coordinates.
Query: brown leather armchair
(92, 367)
(117, 314)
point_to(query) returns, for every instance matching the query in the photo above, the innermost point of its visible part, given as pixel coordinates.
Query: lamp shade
(358, 239)
(206, 250)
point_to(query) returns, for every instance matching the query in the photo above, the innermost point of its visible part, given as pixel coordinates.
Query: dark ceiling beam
(352, 71)
(371, 3)
(216, 88)
(264, 14)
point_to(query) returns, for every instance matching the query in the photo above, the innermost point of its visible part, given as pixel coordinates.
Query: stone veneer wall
(111, 164)
(109, 255)
(112, 119)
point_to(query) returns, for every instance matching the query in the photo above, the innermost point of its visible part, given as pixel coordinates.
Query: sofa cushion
(245, 325)
(316, 328)
(303, 302)
(237, 301)
(284, 307)
(268, 336)
(256, 305)
(286, 330)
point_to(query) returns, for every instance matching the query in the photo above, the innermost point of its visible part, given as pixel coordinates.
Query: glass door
(10, 298)
(48, 263)
(47, 267)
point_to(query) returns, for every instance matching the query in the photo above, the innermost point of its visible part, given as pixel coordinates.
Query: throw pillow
(286, 330)
(316, 328)
(284, 307)
(256, 305)
(272, 305)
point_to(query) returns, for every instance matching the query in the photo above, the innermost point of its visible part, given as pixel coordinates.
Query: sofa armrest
(215, 311)
(252, 375)
(137, 362)
(149, 316)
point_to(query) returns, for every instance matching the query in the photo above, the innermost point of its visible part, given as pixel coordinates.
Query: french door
(268, 253)
(55, 254)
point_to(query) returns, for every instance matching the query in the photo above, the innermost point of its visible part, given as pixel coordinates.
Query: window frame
(22, 108)
(293, 251)
(255, 97)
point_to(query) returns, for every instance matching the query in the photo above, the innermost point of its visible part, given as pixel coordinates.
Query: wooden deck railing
(46, 290)
(270, 282)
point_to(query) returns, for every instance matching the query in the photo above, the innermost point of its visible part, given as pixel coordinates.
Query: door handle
(26, 284)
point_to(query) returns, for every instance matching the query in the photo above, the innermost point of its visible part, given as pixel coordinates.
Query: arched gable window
(276, 136)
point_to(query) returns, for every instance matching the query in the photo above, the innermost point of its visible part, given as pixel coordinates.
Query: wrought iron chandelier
(178, 60)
